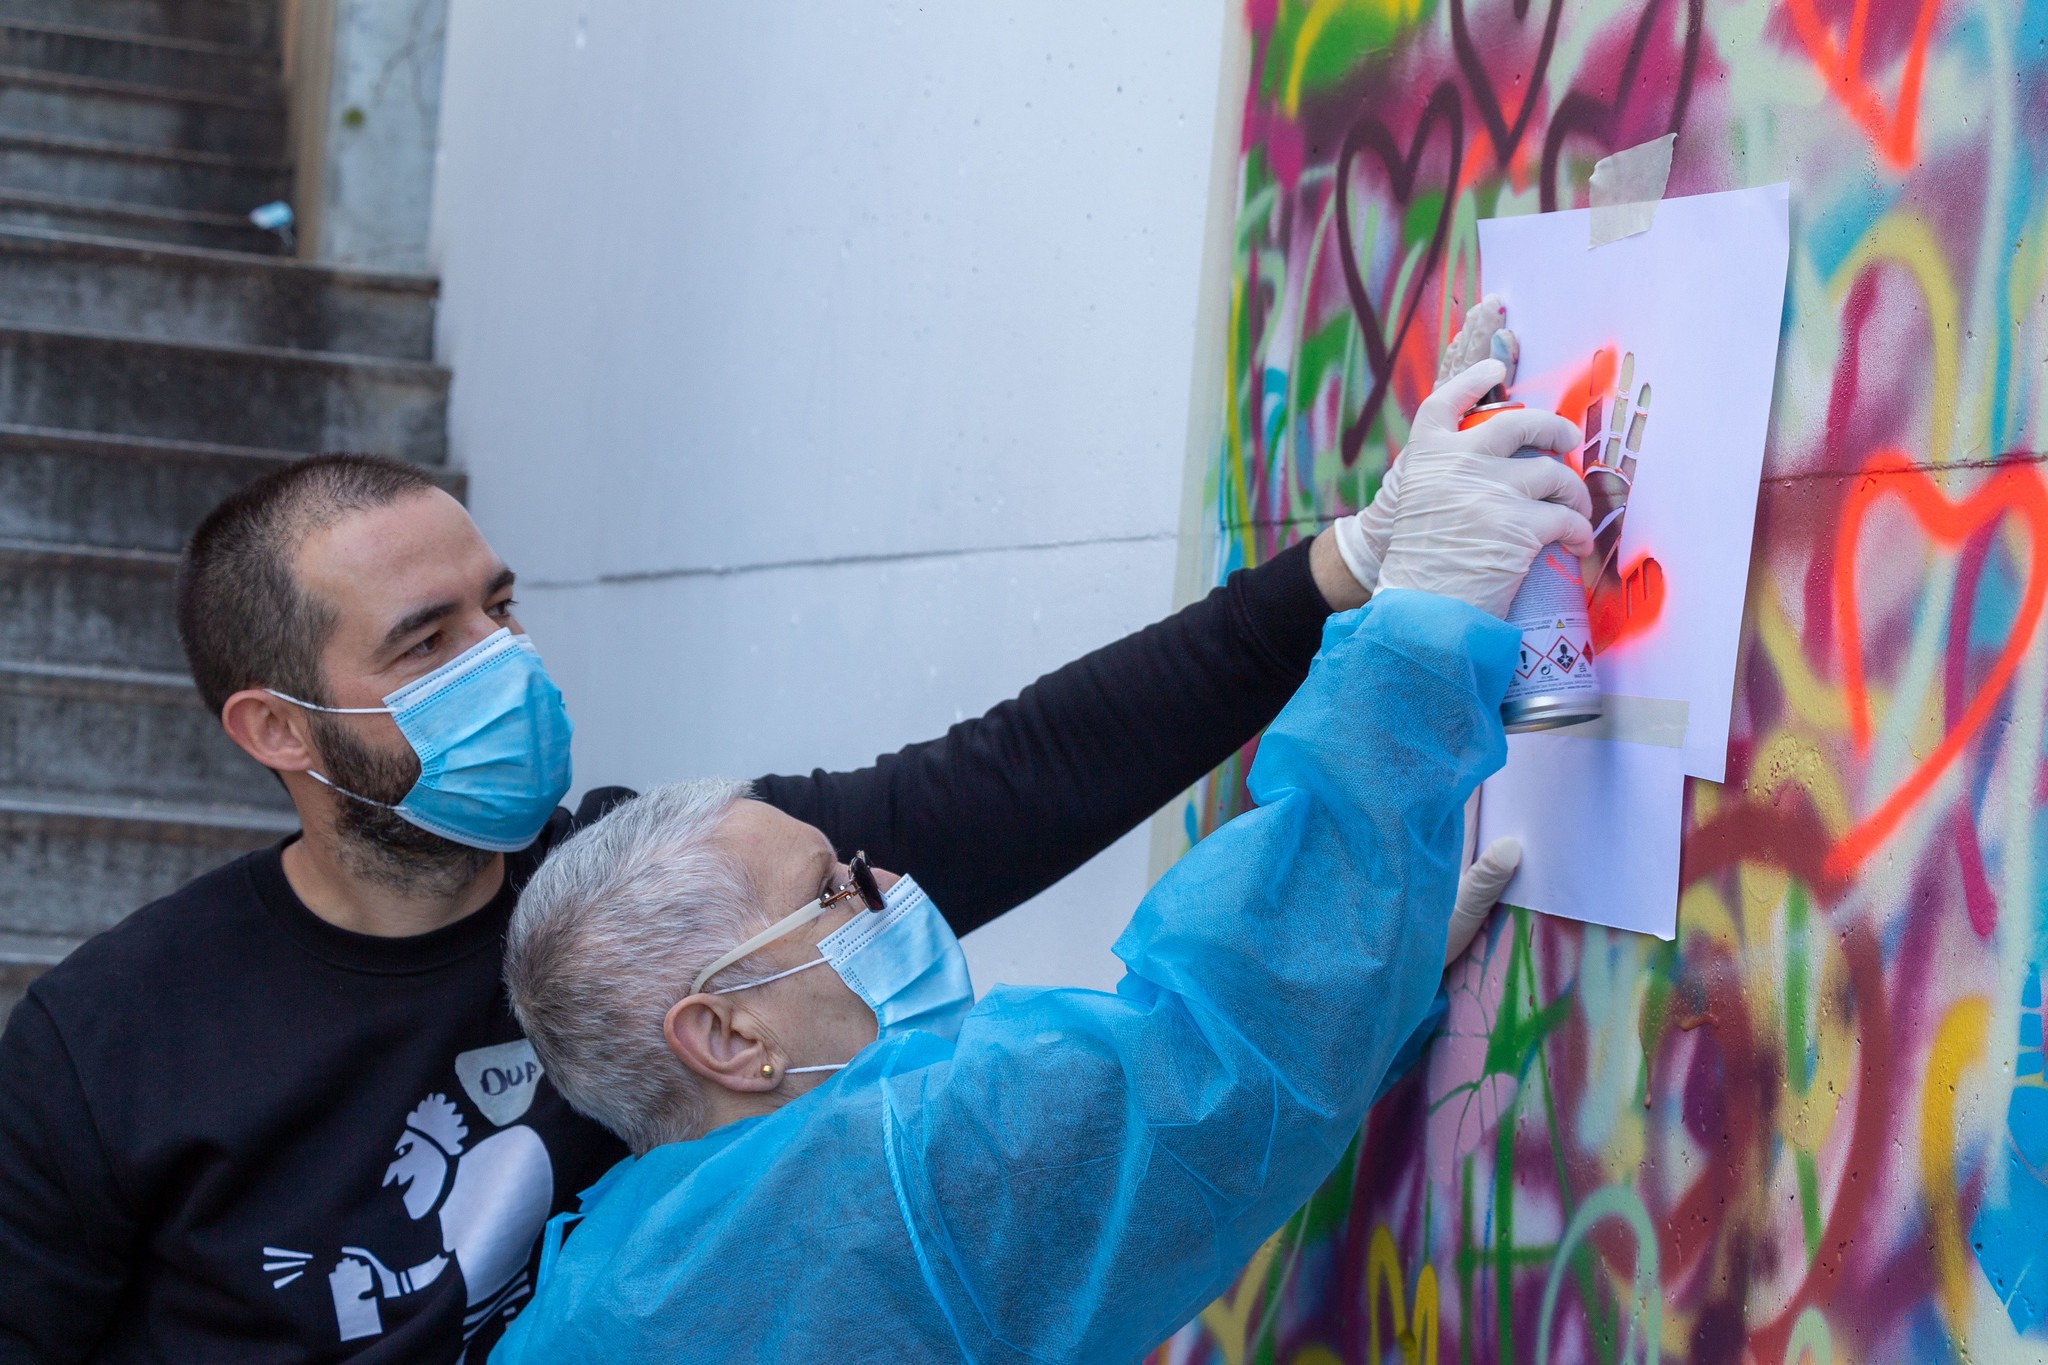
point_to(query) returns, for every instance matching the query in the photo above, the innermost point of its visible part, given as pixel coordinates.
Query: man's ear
(272, 732)
(722, 1042)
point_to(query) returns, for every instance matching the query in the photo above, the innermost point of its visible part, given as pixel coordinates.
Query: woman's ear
(722, 1042)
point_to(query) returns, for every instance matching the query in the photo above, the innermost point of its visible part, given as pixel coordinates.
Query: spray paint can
(1555, 684)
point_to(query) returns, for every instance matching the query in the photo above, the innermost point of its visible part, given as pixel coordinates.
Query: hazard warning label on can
(1557, 638)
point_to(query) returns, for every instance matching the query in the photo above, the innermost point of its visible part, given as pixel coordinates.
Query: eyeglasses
(860, 881)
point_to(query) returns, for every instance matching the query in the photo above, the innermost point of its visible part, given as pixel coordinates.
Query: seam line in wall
(1150, 538)
(838, 561)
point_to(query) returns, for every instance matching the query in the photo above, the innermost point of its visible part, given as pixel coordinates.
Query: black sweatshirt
(232, 1131)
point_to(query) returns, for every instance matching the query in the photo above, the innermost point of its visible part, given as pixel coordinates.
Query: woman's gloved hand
(1469, 520)
(1478, 891)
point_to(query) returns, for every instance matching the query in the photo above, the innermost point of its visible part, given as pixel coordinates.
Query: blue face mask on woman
(902, 960)
(492, 737)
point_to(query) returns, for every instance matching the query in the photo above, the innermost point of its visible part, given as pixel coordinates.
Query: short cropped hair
(243, 617)
(611, 932)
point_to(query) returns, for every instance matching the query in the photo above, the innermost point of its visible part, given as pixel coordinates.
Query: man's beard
(380, 845)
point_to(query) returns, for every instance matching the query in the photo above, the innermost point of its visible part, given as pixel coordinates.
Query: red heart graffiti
(2013, 489)
(1890, 131)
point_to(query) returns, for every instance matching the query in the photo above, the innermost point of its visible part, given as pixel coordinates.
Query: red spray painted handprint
(1614, 409)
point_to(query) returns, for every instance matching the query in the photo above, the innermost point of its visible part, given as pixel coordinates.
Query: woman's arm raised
(1088, 1170)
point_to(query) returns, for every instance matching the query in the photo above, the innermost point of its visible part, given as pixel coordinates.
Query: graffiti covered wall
(1815, 1128)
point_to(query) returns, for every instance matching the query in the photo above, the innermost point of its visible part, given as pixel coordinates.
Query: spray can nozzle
(1508, 352)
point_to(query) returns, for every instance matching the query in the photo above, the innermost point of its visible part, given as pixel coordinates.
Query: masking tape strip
(1626, 188)
(1636, 720)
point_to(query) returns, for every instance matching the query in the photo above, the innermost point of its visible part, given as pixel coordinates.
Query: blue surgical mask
(902, 961)
(492, 737)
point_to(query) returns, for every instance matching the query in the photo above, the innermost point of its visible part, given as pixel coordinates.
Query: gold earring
(767, 1069)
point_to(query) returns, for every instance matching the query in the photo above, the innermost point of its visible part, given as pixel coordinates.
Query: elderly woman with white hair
(840, 1155)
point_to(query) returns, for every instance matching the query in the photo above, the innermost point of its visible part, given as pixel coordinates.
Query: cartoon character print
(491, 1198)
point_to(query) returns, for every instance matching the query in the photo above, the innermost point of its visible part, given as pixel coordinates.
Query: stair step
(70, 868)
(33, 101)
(39, 950)
(238, 395)
(238, 23)
(87, 733)
(77, 605)
(182, 63)
(186, 294)
(83, 488)
(134, 222)
(83, 168)
(15, 977)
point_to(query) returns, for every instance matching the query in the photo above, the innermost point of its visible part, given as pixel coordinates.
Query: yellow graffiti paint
(1706, 798)
(1390, 14)
(1418, 1339)
(1304, 43)
(1807, 696)
(1958, 1045)
(1807, 1113)
(1316, 1354)
(1232, 424)
(1762, 889)
(1703, 914)
(1228, 1319)
(1788, 760)
(1904, 238)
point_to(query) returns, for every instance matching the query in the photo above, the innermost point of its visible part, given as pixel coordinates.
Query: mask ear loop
(815, 962)
(796, 919)
(331, 710)
(728, 990)
(788, 923)
(337, 787)
(337, 711)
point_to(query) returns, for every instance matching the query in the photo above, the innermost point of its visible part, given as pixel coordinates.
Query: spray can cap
(1508, 351)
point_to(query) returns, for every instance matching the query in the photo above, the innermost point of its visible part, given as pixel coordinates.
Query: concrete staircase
(155, 353)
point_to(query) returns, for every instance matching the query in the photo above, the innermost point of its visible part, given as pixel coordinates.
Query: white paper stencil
(1679, 326)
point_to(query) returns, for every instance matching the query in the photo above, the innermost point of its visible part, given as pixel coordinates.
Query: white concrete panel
(727, 284)
(1062, 937)
(887, 309)
(789, 669)
(381, 121)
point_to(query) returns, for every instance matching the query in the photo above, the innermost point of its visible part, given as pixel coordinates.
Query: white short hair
(609, 933)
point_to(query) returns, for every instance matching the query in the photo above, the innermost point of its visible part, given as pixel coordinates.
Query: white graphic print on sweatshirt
(491, 1197)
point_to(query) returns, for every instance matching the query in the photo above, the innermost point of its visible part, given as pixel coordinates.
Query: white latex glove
(1362, 538)
(1470, 520)
(1478, 891)
(1474, 341)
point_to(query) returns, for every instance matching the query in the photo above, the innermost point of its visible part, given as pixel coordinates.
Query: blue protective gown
(1081, 1172)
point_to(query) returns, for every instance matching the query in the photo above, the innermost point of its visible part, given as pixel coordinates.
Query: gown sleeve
(1088, 1170)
